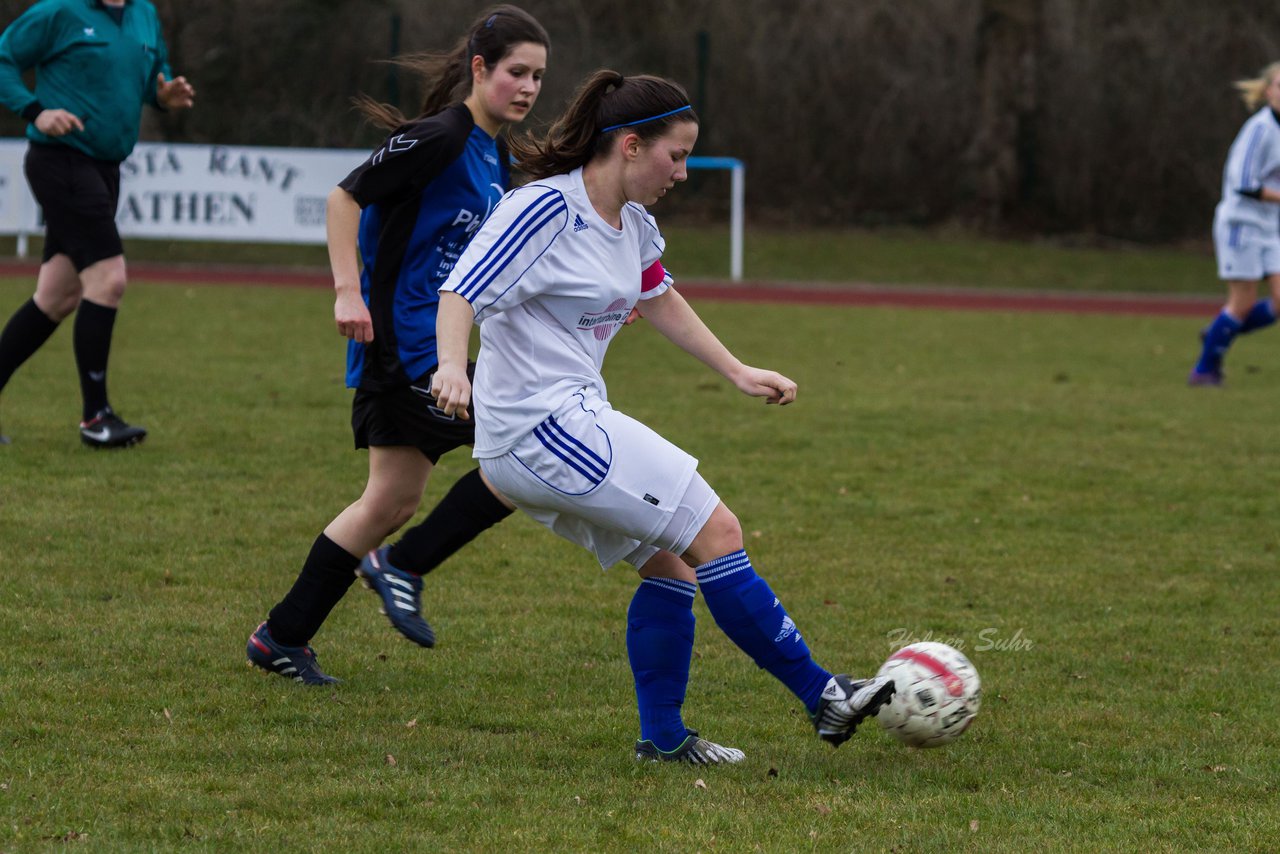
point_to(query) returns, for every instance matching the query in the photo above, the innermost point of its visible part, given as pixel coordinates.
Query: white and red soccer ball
(937, 694)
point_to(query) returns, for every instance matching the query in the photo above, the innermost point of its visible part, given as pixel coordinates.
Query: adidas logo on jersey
(578, 224)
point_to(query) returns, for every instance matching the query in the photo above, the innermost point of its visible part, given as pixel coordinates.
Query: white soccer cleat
(693, 750)
(846, 702)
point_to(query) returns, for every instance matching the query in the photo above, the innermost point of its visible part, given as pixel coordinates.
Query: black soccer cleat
(292, 662)
(693, 751)
(401, 594)
(847, 702)
(108, 430)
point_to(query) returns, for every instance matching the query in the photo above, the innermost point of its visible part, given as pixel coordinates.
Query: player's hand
(175, 94)
(57, 122)
(633, 316)
(452, 391)
(352, 317)
(771, 385)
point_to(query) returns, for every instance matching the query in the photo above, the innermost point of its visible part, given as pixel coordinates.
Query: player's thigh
(78, 197)
(604, 480)
(397, 475)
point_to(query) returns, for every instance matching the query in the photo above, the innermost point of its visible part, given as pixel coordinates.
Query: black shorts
(78, 195)
(408, 416)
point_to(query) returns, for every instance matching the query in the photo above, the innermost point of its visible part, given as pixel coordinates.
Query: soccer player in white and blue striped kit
(550, 278)
(1246, 227)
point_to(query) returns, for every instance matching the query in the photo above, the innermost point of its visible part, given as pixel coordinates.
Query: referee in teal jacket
(96, 63)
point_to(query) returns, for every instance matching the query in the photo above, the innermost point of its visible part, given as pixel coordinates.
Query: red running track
(897, 296)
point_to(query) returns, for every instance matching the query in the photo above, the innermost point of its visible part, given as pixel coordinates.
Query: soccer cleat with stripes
(846, 702)
(108, 430)
(693, 750)
(292, 662)
(401, 594)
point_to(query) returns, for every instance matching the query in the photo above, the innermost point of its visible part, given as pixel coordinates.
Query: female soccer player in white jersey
(1246, 226)
(550, 278)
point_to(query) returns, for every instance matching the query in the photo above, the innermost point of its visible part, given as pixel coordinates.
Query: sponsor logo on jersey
(578, 224)
(472, 220)
(602, 323)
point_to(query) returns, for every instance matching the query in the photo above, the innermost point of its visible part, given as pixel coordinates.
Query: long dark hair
(448, 75)
(606, 105)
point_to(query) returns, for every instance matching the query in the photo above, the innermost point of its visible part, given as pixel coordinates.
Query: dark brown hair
(448, 75)
(605, 105)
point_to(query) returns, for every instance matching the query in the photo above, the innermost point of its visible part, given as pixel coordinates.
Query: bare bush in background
(1031, 116)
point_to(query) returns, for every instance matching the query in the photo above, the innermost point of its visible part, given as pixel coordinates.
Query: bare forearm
(454, 319)
(342, 227)
(671, 315)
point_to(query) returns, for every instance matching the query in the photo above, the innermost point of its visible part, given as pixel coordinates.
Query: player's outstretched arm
(449, 385)
(675, 318)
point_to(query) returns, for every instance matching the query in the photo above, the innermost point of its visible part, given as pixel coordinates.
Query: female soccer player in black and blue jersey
(406, 214)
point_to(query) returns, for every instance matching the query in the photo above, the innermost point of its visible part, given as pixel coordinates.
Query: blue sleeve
(25, 43)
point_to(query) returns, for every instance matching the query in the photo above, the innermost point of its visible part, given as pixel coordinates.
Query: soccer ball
(936, 698)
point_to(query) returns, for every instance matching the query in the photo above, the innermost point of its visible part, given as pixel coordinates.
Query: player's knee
(401, 513)
(104, 283)
(59, 307)
(722, 533)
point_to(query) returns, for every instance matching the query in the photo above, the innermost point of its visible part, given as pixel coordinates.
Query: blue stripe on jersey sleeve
(508, 246)
(1247, 179)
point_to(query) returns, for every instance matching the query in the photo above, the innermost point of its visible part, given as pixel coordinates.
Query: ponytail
(604, 106)
(1254, 91)
(447, 75)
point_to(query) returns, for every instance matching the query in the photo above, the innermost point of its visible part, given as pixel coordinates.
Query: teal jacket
(86, 64)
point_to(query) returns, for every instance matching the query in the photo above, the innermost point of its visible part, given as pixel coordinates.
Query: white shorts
(605, 481)
(1245, 252)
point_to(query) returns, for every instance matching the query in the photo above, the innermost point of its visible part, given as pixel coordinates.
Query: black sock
(468, 509)
(24, 334)
(325, 577)
(92, 339)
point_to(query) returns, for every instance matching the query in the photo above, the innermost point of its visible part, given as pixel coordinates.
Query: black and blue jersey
(423, 195)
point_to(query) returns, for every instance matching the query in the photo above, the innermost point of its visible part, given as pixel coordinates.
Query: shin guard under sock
(660, 626)
(746, 610)
(327, 573)
(23, 335)
(91, 339)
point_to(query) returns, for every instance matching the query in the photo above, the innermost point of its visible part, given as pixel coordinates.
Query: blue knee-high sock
(746, 610)
(1217, 339)
(660, 646)
(1262, 315)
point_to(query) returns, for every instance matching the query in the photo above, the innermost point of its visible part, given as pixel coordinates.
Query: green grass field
(1041, 488)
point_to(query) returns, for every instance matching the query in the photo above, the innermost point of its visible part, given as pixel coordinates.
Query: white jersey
(1252, 163)
(550, 283)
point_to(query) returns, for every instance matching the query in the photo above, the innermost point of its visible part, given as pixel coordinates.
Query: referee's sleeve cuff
(32, 110)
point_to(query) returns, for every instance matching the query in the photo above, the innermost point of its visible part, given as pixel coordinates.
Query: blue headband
(646, 121)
